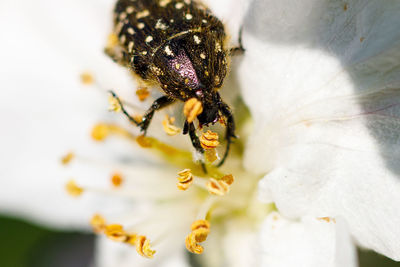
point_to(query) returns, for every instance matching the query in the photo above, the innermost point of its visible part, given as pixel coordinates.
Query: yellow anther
(220, 187)
(200, 224)
(210, 155)
(73, 189)
(116, 232)
(169, 127)
(98, 223)
(86, 78)
(144, 141)
(185, 179)
(100, 132)
(142, 93)
(116, 179)
(143, 247)
(67, 158)
(327, 219)
(114, 104)
(209, 140)
(131, 239)
(192, 109)
(228, 179)
(200, 230)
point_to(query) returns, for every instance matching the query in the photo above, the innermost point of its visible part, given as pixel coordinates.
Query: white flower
(325, 101)
(319, 78)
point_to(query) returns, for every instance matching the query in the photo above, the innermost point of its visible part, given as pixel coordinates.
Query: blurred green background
(23, 244)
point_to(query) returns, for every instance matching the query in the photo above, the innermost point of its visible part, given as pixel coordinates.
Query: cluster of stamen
(65, 160)
(87, 78)
(73, 189)
(185, 179)
(200, 230)
(220, 187)
(192, 109)
(142, 93)
(117, 233)
(116, 179)
(209, 141)
(169, 127)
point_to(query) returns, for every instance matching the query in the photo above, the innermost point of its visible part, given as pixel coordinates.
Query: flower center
(191, 199)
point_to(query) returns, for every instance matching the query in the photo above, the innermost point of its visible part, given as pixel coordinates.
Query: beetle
(180, 45)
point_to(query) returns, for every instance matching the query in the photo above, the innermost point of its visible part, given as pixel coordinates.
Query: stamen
(327, 219)
(115, 232)
(116, 179)
(200, 230)
(98, 223)
(185, 179)
(101, 131)
(209, 140)
(143, 247)
(87, 78)
(169, 127)
(173, 155)
(67, 158)
(211, 155)
(220, 187)
(192, 108)
(73, 189)
(142, 93)
(131, 239)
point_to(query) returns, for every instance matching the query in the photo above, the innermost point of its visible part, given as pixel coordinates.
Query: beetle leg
(189, 128)
(239, 50)
(157, 104)
(124, 110)
(230, 130)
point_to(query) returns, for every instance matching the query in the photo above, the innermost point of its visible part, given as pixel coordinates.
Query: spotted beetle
(178, 44)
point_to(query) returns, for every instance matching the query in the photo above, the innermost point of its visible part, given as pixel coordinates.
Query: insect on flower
(180, 46)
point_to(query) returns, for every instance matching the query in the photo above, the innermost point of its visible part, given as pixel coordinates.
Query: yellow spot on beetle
(164, 3)
(142, 14)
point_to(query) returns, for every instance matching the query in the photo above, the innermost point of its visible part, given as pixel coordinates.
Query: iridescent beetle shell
(179, 45)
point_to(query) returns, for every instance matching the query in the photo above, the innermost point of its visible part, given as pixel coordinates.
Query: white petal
(46, 112)
(240, 246)
(321, 79)
(308, 243)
